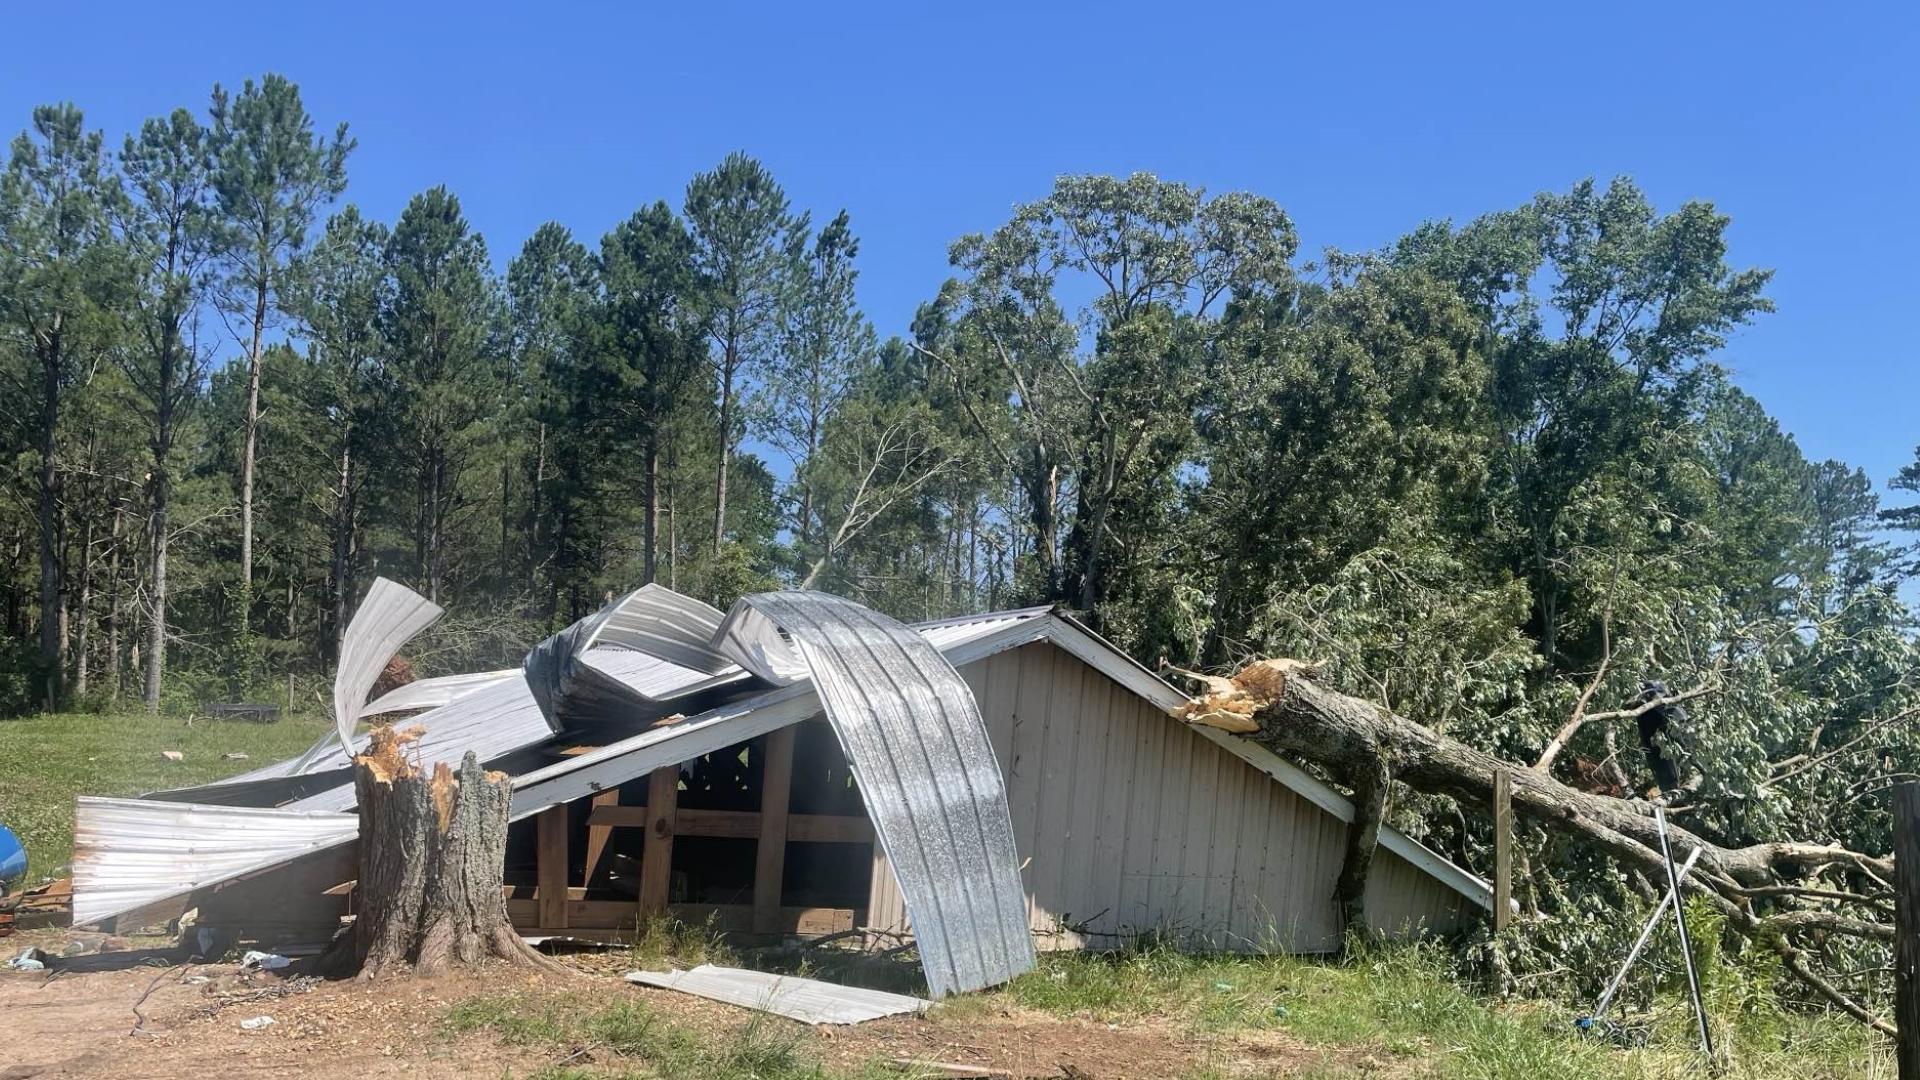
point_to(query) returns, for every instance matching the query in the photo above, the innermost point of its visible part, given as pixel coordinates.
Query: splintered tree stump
(432, 853)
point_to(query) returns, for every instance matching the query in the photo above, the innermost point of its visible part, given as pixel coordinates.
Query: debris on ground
(237, 755)
(173, 755)
(257, 1023)
(28, 960)
(809, 1001)
(256, 960)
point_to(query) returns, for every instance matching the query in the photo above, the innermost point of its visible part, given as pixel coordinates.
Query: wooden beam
(598, 835)
(551, 870)
(623, 916)
(1906, 922)
(656, 859)
(1502, 849)
(743, 824)
(770, 858)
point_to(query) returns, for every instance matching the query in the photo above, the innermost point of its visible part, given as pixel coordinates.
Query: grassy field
(1389, 1012)
(47, 760)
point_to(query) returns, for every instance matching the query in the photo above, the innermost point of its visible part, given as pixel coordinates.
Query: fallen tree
(432, 854)
(1787, 896)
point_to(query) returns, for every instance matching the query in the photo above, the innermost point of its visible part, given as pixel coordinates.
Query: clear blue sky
(929, 121)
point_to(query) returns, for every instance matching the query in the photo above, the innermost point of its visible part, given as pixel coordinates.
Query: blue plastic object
(13, 858)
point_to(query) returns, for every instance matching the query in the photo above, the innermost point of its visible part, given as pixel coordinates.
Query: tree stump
(432, 853)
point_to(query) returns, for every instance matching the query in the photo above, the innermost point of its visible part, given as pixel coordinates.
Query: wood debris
(1230, 704)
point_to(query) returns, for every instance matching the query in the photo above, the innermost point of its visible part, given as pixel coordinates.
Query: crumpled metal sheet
(388, 618)
(809, 1001)
(919, 750)
(672, 629)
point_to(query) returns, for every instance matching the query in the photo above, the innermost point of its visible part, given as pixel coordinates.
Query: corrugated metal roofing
(809, 1001)
(918, 749)
(131, 852)
(388, 618)
(673, 630)
(431, 693)
(491, 723)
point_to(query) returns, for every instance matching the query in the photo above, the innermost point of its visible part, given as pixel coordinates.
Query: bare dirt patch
(81, 1023)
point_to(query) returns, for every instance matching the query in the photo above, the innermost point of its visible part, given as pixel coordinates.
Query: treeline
(1469, 470)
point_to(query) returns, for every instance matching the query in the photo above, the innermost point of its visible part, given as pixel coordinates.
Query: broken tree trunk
(1279, 704)
(432, 854)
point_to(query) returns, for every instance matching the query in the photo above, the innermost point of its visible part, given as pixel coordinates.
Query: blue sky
(926, 122)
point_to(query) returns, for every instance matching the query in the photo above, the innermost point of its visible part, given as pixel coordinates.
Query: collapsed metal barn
(799, 766)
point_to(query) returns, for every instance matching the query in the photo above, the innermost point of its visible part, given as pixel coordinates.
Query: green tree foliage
(271, 176)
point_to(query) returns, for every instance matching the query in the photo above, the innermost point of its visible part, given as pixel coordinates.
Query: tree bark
(52, 602)
(432, 854)
(249, 450)
(1278, 704)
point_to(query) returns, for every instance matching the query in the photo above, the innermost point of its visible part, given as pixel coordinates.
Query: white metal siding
(1127, 821)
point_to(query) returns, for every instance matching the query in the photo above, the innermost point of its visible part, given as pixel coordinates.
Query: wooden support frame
(770, 858)
(743, 824)
(1906, 921)
(551, 865)
(656, 859)
(598, 835)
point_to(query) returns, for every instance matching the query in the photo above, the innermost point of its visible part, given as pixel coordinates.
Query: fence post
(1906, 922)
(1503, 849)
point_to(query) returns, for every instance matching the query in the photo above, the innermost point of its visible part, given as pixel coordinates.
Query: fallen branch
(1280, 705)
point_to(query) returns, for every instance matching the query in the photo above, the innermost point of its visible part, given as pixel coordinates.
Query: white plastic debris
(28, 960)
(255, 960)
(237, 755)
(258, 1023)
(173, 755)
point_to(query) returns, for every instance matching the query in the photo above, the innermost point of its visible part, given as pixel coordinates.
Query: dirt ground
(132, 1014)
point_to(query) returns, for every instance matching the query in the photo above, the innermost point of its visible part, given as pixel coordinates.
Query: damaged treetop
(1787, 896)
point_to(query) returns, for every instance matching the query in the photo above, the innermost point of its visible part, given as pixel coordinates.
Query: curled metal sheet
(668, 636)
(915, 741)
(388, 618)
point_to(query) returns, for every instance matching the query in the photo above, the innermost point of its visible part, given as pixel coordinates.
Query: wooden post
(770, 859)
(1502, 849)
(598, 835)
(1906, 922)
(656, 859)
(551, 856)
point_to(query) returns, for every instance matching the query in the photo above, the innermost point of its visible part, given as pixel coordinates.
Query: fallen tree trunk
(432, 855)
(1280, 705)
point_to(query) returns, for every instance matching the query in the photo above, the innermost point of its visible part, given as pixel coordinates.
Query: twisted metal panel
(919, 751)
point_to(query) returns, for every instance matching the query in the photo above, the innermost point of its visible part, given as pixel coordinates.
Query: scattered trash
(28, 960)
(1279, 1012)
(237, 755)
(1223, 987)
(256, 960)
(173, 755)
(258, 1023)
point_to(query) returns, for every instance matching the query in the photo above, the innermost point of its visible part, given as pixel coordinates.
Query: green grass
(1402, 1004)
(47, 760)
(626, 1038)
